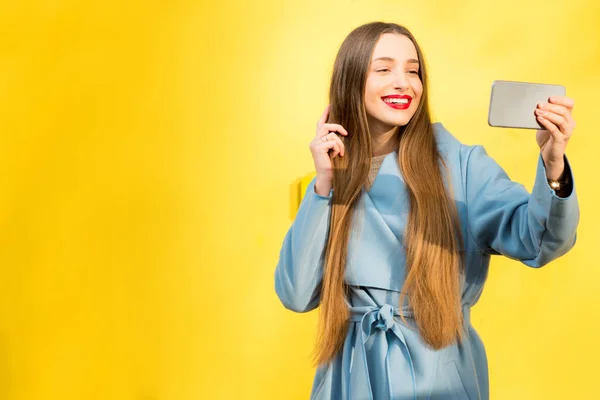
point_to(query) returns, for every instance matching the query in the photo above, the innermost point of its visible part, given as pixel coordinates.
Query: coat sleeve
(503, 218)
(300, 268)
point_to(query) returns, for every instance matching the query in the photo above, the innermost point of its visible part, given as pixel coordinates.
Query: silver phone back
(512, 104)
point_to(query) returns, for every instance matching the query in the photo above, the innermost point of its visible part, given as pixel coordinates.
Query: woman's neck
(384, 142)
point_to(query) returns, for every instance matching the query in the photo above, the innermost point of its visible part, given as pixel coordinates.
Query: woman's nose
(401, 82)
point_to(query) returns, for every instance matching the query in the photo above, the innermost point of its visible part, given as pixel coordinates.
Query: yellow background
(147, 155)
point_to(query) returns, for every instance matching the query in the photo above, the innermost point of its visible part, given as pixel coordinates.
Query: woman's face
(393, 89)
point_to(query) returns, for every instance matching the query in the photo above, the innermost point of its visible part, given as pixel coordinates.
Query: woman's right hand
(325, 141)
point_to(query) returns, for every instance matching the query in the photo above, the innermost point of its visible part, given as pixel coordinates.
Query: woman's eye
(387, 70)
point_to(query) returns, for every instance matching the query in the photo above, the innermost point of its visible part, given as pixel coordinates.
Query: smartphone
(513, 104)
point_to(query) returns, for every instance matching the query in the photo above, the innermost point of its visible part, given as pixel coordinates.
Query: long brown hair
(432, 238)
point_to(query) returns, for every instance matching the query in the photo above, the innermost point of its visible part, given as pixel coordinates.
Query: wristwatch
(554, 184)
(562, 184)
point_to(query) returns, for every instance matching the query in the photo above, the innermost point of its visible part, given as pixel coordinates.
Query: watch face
(554, 185)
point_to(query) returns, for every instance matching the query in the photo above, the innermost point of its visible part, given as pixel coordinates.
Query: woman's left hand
(556, 117)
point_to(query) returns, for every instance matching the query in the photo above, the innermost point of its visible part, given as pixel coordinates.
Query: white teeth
(396, 101)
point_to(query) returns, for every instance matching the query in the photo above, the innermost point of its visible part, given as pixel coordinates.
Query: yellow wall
(147, 155)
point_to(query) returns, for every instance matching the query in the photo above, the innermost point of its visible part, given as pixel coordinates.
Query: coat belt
(382, 318)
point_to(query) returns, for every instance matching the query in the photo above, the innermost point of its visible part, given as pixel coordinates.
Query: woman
(394, 235)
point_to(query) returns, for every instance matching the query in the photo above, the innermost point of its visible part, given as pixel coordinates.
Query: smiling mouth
(398, 103)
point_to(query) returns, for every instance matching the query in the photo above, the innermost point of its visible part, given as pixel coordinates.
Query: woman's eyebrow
(409, 61)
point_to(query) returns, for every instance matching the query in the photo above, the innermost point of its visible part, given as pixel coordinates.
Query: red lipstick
(398, 105)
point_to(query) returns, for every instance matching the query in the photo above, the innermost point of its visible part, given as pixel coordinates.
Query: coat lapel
(376, 256)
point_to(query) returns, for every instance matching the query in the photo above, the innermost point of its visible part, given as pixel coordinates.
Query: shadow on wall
(297, 190)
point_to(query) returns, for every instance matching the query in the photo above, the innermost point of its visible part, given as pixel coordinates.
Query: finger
(327, 144)
(333, 137)
(550, 127)
(331, 128)
(556, 119)
(336, 128)
(557, 109)
(336, 138)
(563, 101)
(324, 116)
(560, 110)
(331, 145)
(336, 150)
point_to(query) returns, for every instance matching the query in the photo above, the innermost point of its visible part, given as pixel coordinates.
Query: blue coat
(383, 358)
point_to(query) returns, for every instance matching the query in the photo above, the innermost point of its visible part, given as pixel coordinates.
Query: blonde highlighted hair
(432, 237)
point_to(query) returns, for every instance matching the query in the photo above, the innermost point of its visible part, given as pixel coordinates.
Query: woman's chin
(398, 122)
